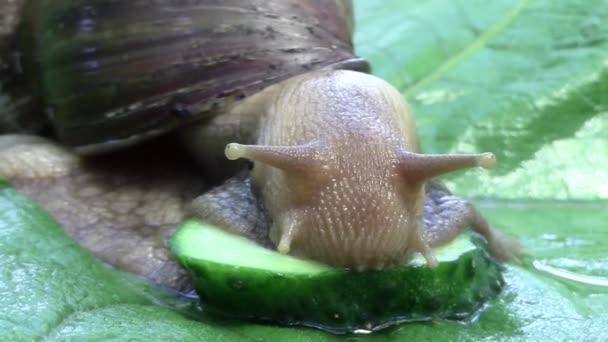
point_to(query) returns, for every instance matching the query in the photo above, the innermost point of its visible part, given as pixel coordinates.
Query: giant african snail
(337, 176)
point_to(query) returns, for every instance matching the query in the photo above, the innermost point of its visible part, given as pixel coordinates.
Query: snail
(335, 170)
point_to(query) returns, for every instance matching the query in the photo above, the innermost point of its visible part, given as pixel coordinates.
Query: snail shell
(112, 73)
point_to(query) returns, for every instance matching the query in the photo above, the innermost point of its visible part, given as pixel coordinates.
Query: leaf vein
(473, 47)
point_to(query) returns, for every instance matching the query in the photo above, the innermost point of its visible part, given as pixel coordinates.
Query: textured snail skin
(336, 167)
(343, 201)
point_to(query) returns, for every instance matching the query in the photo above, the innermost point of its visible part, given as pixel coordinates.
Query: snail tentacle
(288, 228)
(286, 158)
(420, 167)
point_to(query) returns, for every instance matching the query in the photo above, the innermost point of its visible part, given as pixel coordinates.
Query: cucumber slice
(236, 277)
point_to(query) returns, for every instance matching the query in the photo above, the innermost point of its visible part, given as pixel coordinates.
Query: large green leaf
(527, 80)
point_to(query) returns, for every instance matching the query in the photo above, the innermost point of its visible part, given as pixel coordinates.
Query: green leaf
(526, 80)
(51, 288)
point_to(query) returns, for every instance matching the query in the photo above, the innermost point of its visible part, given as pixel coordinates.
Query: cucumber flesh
(235, 277)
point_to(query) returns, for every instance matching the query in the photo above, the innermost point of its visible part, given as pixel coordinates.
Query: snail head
(353, 198)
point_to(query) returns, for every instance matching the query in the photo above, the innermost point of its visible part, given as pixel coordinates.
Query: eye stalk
(419, 167)
(286, 158)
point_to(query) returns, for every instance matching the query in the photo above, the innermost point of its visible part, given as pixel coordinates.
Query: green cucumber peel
(237, 278)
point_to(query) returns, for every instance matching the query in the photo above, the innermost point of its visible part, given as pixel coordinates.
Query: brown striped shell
(111, 73)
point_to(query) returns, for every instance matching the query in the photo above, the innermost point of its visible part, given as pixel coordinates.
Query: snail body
(337, 175)
(336, 166)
